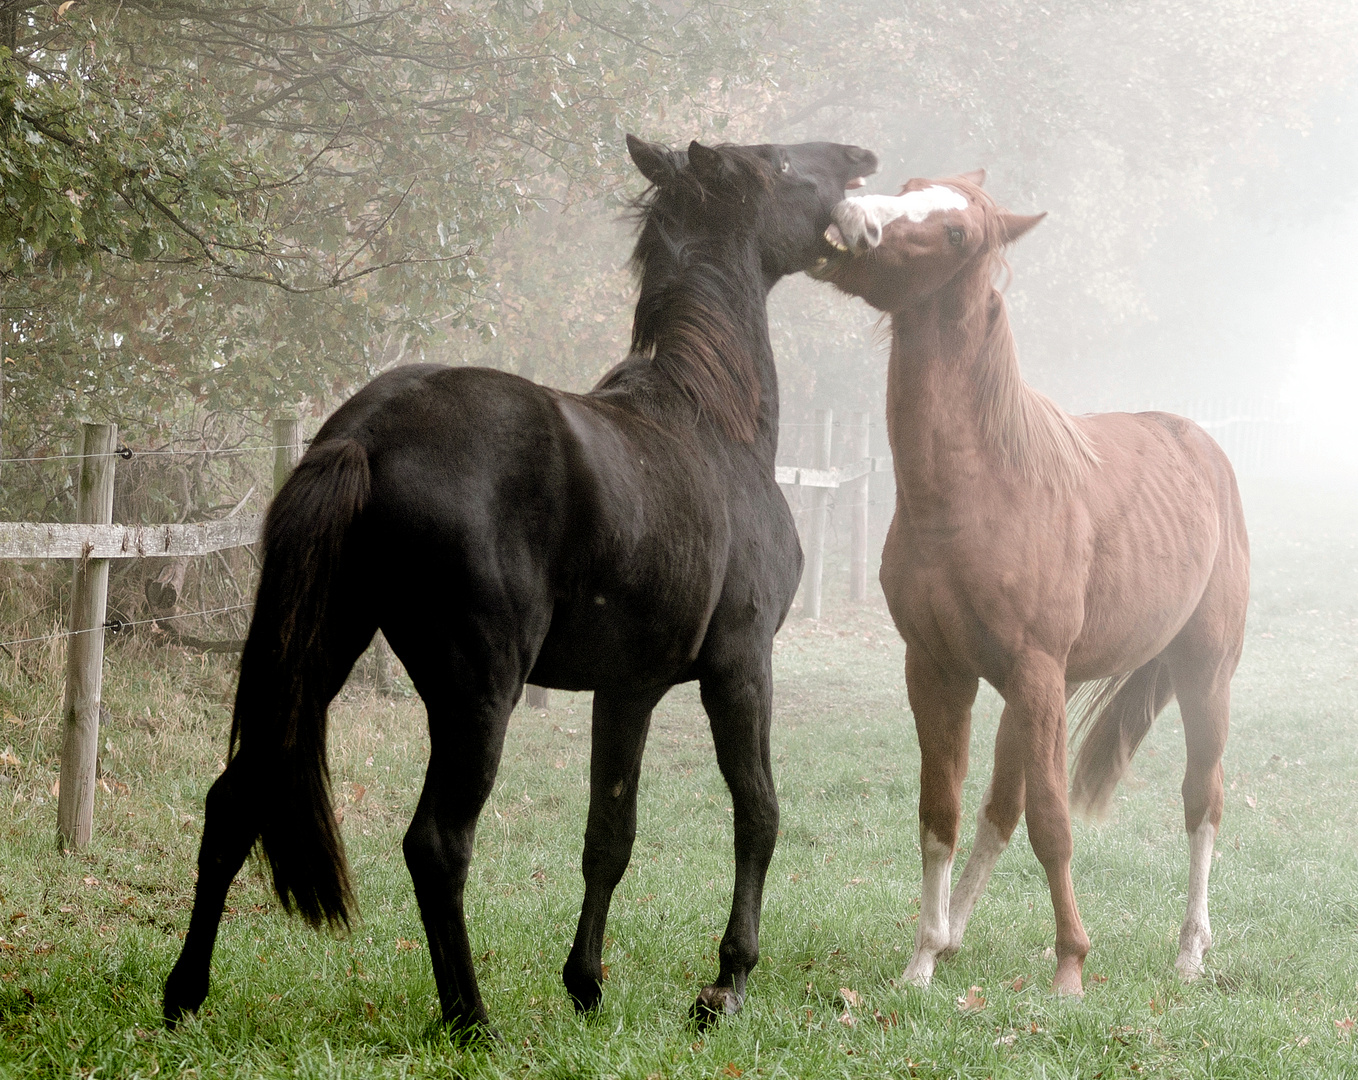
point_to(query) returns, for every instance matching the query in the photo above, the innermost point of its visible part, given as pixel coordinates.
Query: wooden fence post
(85, 646)
(858, 509)
(537, 697)
(816, 517)
(287, 442)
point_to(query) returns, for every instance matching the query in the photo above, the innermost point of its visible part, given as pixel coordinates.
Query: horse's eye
(785, 165)
(956, 236)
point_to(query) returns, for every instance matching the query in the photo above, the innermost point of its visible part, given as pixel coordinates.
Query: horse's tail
(289, 668)
(1115, 715)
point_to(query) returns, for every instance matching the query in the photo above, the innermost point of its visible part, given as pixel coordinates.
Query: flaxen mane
(1033, 433)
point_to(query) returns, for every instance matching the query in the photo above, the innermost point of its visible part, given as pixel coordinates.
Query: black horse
(620, 541)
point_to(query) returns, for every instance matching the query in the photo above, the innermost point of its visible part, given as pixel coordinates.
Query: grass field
(88, 940)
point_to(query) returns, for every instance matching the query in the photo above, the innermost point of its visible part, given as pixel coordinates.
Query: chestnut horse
(1043, 553)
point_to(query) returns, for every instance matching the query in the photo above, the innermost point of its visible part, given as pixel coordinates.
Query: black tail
(1117, 714)
(288, 676)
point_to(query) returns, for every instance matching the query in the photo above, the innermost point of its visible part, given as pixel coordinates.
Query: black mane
(694, 295)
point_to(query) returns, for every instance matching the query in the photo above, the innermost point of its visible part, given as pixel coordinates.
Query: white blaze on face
(859, 220)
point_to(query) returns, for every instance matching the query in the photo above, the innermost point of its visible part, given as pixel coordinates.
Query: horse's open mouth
(836, 252)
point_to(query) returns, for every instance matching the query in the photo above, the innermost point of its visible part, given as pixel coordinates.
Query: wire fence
(118, 626)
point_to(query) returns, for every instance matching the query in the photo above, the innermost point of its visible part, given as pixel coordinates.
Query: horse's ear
(655, 161)
(976, 176)
(710, 166)
(1012, 226)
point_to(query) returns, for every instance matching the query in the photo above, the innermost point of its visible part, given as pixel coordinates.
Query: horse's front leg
(738, 697)
(1001, 808)
(941, 702)
(1036, 693)
(616, 743)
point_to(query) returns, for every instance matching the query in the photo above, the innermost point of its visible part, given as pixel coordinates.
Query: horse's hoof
(1068, 981)
(174, 1012)
(180, 1003)
(585, 991)
(586, 1003)
(471, 1034)
(713, 1003)
(1189, 967)
(919, 972)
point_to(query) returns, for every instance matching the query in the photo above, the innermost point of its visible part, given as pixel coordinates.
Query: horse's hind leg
(737, 693)
(230, 828)
(1001, 807)
(468, 716)
(1203, 687)
(942, 706)
(616, 743)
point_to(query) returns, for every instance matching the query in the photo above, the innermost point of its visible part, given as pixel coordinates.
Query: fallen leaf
(1017, 984)
(1251, 802)
(56, 786)
(558, 764)
(406, 945)
(1345, 1026)
(889, 1020)
(65, 7)
(17, 916)
(850, 997)
(847, 1019)
(732, 1069)
(91, 881)
(603, 971)
(973, 1002)
(7, 757)
(1156, 1006)
(539, 874)
(1006, 1040)
(358, 792)
(1094, 976)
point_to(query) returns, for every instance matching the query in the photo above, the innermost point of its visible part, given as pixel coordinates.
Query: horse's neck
(959, 416)
(728, 328)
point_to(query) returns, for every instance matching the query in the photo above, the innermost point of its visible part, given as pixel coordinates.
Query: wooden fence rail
(821, 479)
(92, 541)
(90, 544)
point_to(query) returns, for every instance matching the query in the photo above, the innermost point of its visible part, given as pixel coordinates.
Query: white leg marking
(1196, 936)
(989, 845)
(931, 934)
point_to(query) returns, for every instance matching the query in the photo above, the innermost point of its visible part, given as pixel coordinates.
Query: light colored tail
(1115, 715)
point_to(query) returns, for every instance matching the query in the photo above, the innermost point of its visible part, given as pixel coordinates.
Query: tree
(252, 206)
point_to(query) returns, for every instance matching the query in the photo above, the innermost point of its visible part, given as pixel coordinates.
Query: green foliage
(258, 206)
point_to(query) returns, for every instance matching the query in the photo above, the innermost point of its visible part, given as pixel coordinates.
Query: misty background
(214, 217)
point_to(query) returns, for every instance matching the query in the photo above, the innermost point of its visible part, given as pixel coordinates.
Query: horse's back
(1167, 526)
(591, 539)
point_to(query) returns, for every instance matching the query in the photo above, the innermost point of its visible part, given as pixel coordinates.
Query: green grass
(94, 935)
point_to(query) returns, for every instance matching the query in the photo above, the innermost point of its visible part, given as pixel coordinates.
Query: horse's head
(781, 196)
(897, 249)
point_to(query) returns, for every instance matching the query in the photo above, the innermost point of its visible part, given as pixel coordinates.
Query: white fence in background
(1261, 436)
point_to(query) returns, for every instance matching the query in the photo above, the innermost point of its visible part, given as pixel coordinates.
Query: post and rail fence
(91, 543)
